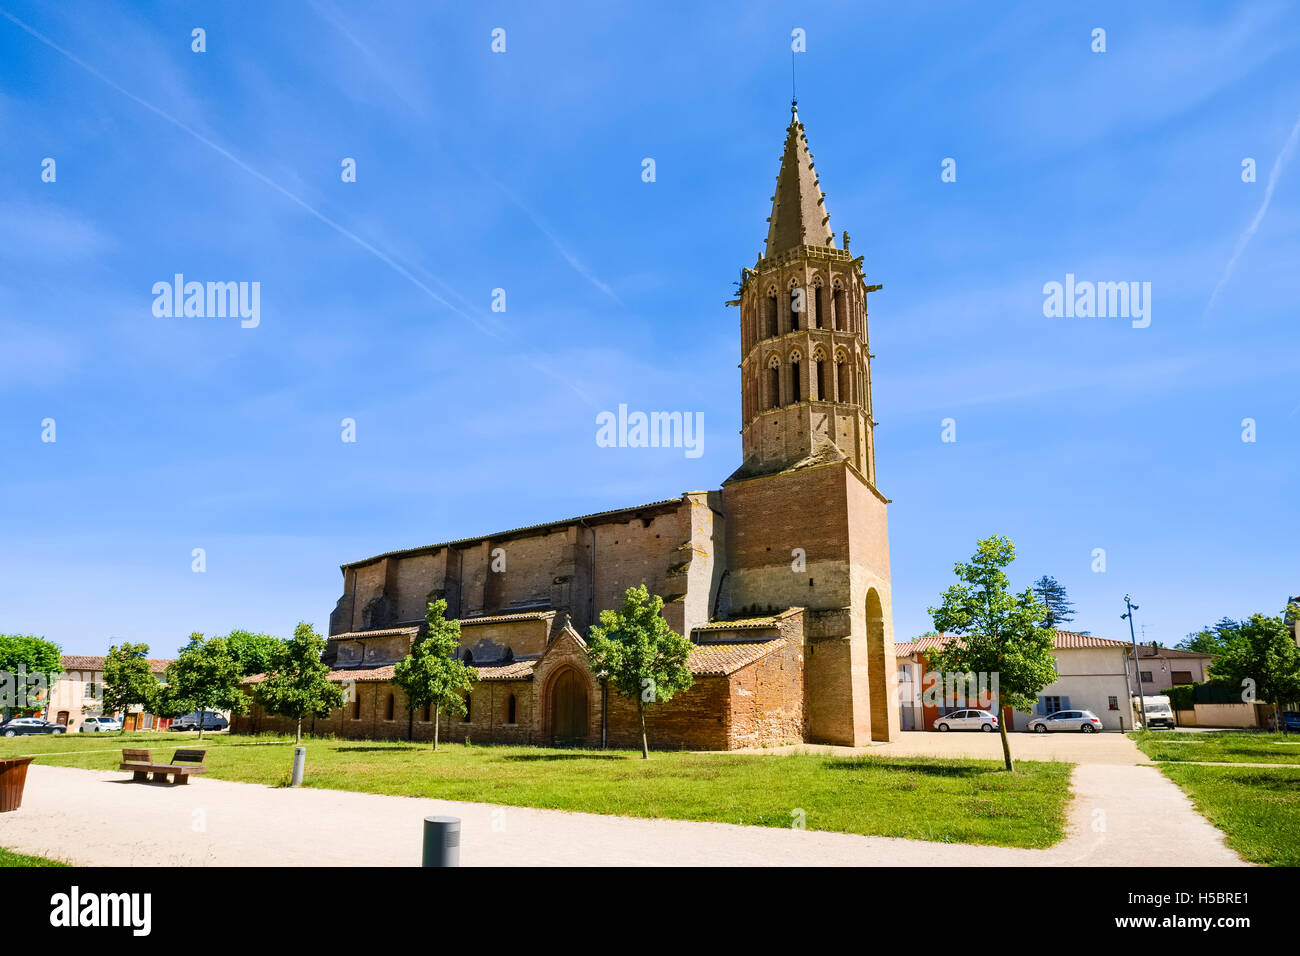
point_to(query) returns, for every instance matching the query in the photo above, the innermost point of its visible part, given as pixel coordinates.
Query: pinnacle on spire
(798, 217)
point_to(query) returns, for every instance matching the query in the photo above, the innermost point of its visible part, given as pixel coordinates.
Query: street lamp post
(1137, 673)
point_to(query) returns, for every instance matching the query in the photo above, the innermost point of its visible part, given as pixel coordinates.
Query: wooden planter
(13, 774)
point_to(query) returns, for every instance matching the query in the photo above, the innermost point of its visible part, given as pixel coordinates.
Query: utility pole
(1128, 603)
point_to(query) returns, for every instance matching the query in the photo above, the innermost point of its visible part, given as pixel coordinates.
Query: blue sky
(522, 170)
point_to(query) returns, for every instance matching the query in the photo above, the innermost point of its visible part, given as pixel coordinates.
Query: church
(780, 578)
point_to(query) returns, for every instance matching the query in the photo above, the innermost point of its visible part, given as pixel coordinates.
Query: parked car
(1291, 720)
(967, 720)
(95, 725)
(23, 726)
(211, 721)
(1081, 720)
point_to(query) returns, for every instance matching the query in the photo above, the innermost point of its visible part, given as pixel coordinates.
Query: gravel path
(1121, 815)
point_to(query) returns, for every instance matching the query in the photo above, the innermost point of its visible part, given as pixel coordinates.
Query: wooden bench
(184, 763)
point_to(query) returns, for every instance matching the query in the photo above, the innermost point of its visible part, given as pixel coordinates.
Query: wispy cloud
(1274, 174)
(342, 230)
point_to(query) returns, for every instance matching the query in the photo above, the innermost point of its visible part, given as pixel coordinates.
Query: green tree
(1211, 640)
(1261, 657)
(430, 676)
(128, 680)
(636, 650)
(254, 652)
(205, 676)
(297, 683)
(29, 666)
(1001, 632)
(1060, 609)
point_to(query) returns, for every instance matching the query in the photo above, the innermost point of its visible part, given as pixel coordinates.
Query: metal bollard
(299, 765)
(441, 841)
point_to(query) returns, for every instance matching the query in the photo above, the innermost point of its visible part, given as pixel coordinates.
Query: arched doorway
(568, 708)
(877, 668)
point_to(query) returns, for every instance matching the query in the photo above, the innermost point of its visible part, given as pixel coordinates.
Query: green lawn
(1257, 808)
(9, 858)
(953, 801)
(1219, 747)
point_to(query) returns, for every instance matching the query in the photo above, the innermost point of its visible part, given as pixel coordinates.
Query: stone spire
(799, 216)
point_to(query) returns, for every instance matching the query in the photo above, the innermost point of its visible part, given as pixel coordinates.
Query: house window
(1113, 703)
(469, 709)
(1182, 677)
(510, 709)
(1146, 677)
(1051, 705)
(390, 708)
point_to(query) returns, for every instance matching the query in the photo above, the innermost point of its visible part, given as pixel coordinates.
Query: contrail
(1287, 149)
(337, 227)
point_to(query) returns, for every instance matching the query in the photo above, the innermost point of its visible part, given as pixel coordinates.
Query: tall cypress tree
(1060, 609)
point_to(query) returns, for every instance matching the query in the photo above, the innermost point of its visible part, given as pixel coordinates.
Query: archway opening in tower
(877, 675)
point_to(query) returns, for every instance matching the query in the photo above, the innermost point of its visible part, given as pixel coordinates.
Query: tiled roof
(502, 618)
(721, 659)
(749, 623)
(384, 632)
(1145, 650)
(530, 527)
(89, 662)
(515, 670)
(1068, 639)
(1065, 641)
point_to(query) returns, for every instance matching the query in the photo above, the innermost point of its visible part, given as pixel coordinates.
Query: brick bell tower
(805, 366)
(806, 526)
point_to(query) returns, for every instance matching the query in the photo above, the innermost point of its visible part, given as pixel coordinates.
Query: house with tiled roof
(77, 694)
(1156, 669)
(1092, 675)
(780, 577)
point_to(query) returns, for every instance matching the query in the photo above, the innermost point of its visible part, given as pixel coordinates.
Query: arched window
(797, 305)
(428, 713)
(356, 703)
(819, 376)
(390, 708)
(843, 373)
(510, 709)
(771, 310)
(469, 709)
(795, 395)
(817, 303)
(837, 308)
(774, 382)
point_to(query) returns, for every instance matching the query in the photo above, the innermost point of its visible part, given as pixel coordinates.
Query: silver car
(93, 725)
(967, 720)
(1084, 721)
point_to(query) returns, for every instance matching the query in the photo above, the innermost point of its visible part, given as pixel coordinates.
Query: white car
(93, 725)
(1082, 720)
(967, 720)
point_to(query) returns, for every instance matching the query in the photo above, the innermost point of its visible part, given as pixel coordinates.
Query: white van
(1159, 712)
